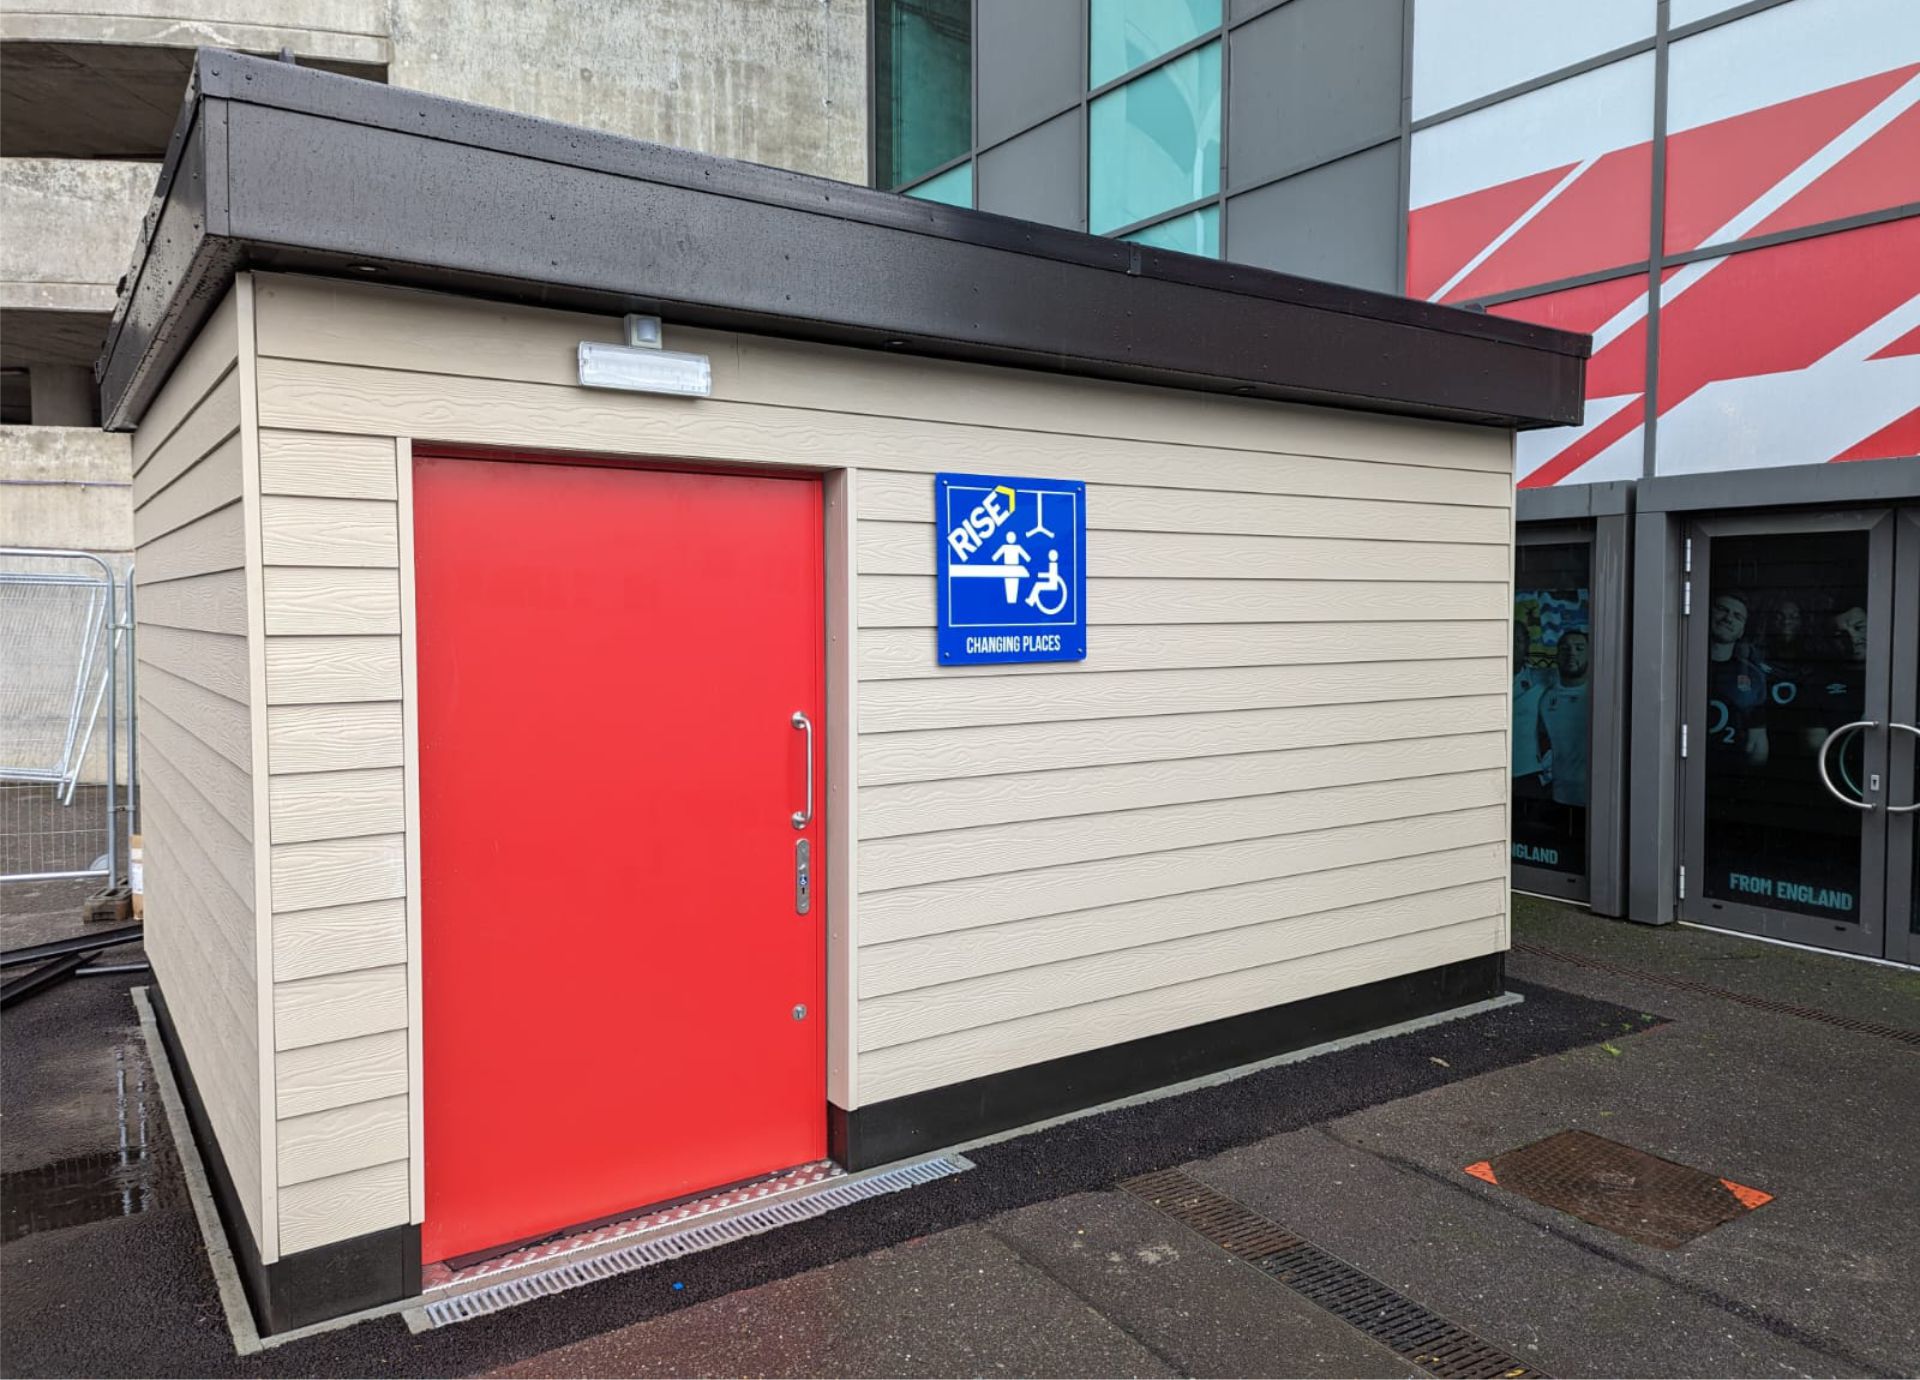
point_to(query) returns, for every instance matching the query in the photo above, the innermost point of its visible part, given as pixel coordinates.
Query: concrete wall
(771, 81)
(67, 231)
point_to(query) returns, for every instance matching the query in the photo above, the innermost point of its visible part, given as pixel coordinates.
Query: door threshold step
(784, 1199)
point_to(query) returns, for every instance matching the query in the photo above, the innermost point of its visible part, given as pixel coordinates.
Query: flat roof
(280, 167)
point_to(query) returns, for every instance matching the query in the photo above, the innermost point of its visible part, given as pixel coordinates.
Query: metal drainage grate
(1620, 1189)
(1358, 1299)
(672, 1245)
(1805, 1013)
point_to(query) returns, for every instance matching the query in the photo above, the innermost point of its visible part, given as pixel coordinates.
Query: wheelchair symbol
(1049, 583)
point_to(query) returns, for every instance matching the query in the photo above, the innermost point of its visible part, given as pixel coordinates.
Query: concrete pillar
(60, 394)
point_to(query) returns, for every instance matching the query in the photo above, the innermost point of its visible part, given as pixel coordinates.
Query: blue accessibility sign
(1012, 563)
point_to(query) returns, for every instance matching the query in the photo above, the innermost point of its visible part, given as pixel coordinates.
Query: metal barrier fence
(66, 716)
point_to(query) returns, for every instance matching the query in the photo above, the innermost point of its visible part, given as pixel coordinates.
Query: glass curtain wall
(923, 89)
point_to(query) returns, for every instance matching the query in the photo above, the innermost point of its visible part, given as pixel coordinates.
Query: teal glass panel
(1154, 143)
(1197, 232)
(954, 187)
(923, 86)
(1126, 33)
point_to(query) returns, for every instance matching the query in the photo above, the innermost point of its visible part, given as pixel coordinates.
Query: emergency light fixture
(641, 366)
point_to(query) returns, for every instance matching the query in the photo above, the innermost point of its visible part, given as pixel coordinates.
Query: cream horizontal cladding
(331, 616)
(196, 748)
(1281, 769)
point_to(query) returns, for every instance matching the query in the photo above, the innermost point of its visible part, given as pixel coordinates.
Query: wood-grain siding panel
(208, 485)
(319, 1212)
(344, 399)
(215, 420)
(334, 737)
(214, 661)
(221, 723)
(332, 670)
(948, 1008)
(337, 804)
(328, 532)
(337, 872)
(227, 788)
(922, 1064)
(495, 347)
(305, 601)
(941, 754)
(208, 544)
(897, 706)
(887, 811)
(339, 939)
(204, 603)
(342, 1139)
(956, 955)
(340, 1073)
(202, 366)
(339, 1006)
(1001, 848)
(314, 465)
(988, 899)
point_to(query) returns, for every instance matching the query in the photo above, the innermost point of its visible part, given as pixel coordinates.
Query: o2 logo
(1721, 721)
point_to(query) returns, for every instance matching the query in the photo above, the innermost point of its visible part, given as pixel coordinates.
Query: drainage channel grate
(1806, 1013)
(1358, 1299)
(656, 1250)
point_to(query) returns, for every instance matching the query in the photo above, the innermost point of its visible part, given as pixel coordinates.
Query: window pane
(1796, 115)
(1155, 143)
(1127, 33)
(1541, 187)
(954, 187)
(923, 86)
(1197, 232)
(1465, 49)
(1552, 671)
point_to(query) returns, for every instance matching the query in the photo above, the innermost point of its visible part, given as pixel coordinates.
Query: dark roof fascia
(275, 166)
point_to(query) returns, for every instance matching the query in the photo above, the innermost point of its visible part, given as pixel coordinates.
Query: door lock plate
(802, 876)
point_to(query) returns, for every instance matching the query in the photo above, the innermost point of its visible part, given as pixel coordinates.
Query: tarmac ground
(1793, 1073)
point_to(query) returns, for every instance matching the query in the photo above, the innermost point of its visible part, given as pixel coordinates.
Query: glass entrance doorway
(1799, 730)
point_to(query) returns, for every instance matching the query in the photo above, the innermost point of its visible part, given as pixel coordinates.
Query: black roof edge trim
(353, 100)
(928, 280)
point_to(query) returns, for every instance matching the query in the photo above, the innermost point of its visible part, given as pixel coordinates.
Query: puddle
(137, 1172)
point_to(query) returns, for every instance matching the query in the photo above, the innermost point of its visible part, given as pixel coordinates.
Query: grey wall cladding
(1040, 176)
(1311, 80)
(1339, 222)
(1031, 60)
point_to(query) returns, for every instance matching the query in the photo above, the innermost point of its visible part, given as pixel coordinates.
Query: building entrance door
(621, 679)
(1799, 729)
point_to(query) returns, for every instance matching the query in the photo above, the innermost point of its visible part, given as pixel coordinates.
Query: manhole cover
(1627, 1191)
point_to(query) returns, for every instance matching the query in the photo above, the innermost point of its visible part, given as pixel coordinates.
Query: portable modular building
(560, 799)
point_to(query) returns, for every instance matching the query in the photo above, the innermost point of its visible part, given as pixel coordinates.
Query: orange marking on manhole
(1749, 1197)
(1484, 1170)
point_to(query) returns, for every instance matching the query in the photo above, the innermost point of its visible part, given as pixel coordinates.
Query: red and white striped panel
(1794, 355)
(1796, 115)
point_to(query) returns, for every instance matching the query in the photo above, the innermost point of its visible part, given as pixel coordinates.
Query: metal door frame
(1903, 749)
(1547, 881)
(1865, 938)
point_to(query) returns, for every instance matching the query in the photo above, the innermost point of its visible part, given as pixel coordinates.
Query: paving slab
(1204, 1311)
(959, 1303)
(1823, 1280)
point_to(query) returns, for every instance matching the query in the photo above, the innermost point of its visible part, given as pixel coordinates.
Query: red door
(610, 660)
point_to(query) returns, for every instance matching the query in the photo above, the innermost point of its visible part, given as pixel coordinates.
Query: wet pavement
(1036, 1264)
